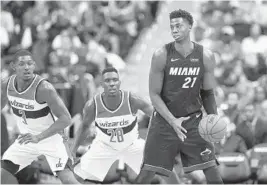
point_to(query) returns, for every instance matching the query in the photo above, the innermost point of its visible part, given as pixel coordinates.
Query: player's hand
(177, 126)
(28, 138)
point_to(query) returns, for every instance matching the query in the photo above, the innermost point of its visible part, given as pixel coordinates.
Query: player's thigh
(55, 151)
(161, 146)
(21, 154)
(133, 156)
(67, 176)
(112, 174)
(96, 162)
(196, 153)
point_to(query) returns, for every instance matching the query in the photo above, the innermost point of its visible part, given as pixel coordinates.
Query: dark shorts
(163, 144)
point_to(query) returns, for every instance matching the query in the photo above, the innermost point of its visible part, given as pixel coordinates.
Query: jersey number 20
(189, 82)
(116, 135)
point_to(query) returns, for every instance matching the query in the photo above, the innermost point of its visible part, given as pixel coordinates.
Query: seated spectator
(261, 126)
(254, 66)
(256, 42)
(246, 128)
(231, 142)
(259, 98)
(232, 109)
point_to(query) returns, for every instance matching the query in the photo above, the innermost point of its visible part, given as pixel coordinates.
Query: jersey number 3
(116, 135)
(23, 115)
(189, 82)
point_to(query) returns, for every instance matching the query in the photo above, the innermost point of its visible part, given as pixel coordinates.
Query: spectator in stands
(246, 128)
(256, 42)
(259, 98)
(261, 126)
(231, 142)
(254, 66)
(232, 108)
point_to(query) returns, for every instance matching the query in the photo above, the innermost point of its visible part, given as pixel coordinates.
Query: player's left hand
(28, 138)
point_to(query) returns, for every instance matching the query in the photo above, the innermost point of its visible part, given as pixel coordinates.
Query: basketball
(212, 128)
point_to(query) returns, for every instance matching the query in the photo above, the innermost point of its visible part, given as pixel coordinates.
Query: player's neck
(185, 44)
(185, 47)
(112, 102)
(22, 84)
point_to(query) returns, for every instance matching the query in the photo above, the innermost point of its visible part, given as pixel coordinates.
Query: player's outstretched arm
(88, 118)
(3, 92)
(46, 93)
(139, 103)
(209, 83)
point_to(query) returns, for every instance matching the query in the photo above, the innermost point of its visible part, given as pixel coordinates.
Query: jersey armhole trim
(95, 102)
(129, 103)
(8, 82)
(35, 92)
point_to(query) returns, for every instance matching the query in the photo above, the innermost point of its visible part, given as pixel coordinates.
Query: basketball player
(114, 114)
(181, 80)
(32, 100)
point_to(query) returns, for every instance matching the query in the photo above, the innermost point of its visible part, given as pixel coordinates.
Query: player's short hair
(22, 53)
(109, 69)
(183, 14)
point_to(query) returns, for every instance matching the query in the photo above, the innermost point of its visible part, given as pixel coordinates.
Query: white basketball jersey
(118, 128)
(32, 117)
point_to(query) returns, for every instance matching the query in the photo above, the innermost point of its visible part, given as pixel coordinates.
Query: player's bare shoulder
(45, 90)
(159, 57)
(140, 103)
(89, 107)
(208, 59)
(4, 82)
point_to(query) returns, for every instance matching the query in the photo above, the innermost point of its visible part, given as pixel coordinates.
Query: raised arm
(139, 103)
(3, 92)
(156, 76)
(209, 83)
(88, 118)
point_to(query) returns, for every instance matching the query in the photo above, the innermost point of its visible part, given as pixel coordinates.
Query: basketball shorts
(53, 148)
(96, 162)
(162, 145)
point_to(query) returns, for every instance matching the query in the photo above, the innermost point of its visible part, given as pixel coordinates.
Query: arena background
(73, 41)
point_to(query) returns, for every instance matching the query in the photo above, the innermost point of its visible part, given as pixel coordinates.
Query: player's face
(111, 83)
(180, 28)
(24, 67)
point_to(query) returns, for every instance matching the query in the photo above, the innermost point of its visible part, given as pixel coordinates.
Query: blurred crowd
(73, 41)
(236, 32)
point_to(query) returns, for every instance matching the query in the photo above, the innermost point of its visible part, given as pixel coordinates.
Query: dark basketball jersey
(183, 79)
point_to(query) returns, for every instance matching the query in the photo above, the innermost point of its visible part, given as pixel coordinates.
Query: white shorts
(53, 148)
(96, 162)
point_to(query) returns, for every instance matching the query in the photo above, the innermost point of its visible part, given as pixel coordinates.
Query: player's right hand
(178, 128)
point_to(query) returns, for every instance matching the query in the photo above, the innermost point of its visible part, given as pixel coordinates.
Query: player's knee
(212, 175)
(145, 177)
(8, 170)
(67, 177)
(9, 166)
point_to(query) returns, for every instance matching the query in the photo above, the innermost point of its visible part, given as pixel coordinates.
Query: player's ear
(190, 27)
(12, 65)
